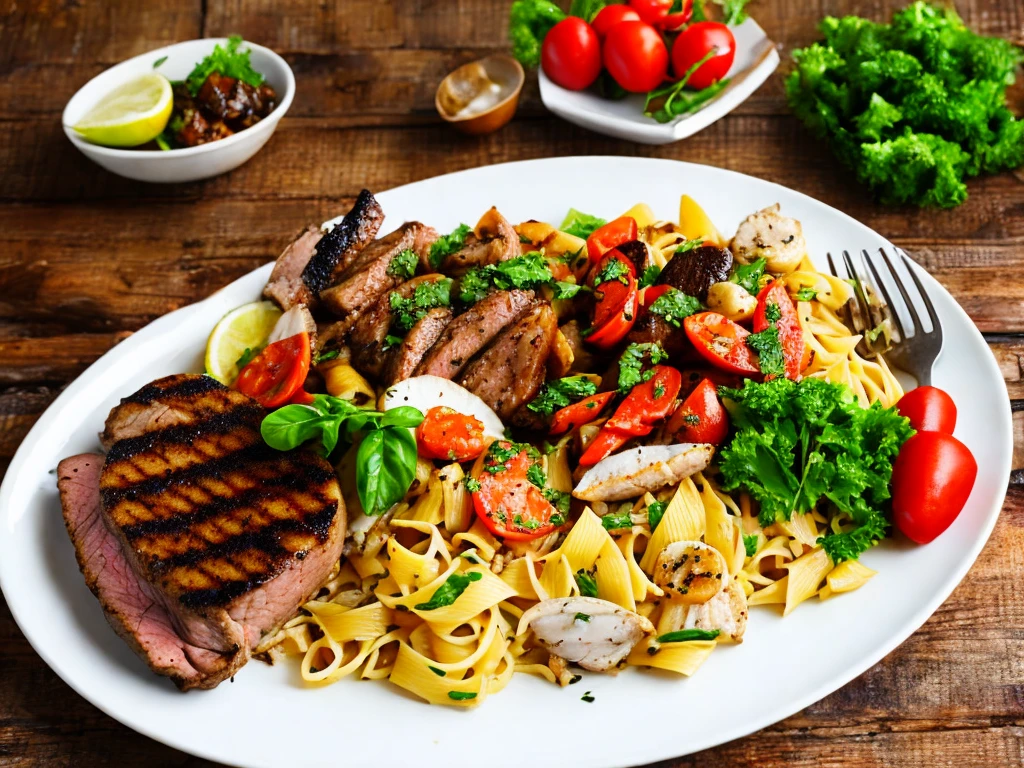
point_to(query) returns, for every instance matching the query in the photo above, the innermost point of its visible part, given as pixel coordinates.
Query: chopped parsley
(587, 583)
(584, 617)
(530, 525)
(614, 269)
(448, 244)
(631, 364)
(688, 245)
(748, 276)
(535, 474)
(403, 264)
(673, 306)
(772, 313)
(806, 294)
(686, 635)
(581, 224)
(427, 296)
(560, 393)
(159, 61)
(659, 392)
(323, 357)
(390, 342)
(436, 671)
(229, 62)
(471, 483)
(461, 695)
(524, 272)
(566, 290)
(450, 591)
(750, 544)
(691, 419)
(649, 276)
(499, 453)
(655, 511)
(616, 522)
(587, 697)
(560, 500)
(246, 357)
(770, 357)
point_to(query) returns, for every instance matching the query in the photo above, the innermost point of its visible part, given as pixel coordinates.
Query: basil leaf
(291, 426)
(380, 484)
(450, 591)
(402, 416)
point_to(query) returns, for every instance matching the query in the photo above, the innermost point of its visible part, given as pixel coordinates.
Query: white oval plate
(756, 58)
(266, 717)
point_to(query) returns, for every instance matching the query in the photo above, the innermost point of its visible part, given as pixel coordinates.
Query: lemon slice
(132, 114)
(247, 327)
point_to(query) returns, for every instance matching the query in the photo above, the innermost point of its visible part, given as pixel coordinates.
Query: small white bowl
(756, 58)
(191, 163)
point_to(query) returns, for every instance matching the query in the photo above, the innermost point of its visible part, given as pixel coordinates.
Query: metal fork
(912, 349)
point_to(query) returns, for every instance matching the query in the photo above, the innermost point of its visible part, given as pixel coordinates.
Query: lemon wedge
(130, 115)
(245, 328)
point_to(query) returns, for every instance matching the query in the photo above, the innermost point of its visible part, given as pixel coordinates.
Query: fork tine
(831, 265)
(915, 318)
(885, 294)
(862, 316)
(936, 325)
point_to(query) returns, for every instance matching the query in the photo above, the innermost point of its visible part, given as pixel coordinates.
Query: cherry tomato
(615, 310)
(694, 43)
(578, 414)
(276, 373)
(635, 56)
(929, 409)
(611, 15)
(614, 233)
(607, 442)
(790, 333)
(507, 502)
(932, 478)
(659, 13)
(647, 403)
(571, 54)
(651, 293)
(447, 434)
(701, 417)
(721, 342)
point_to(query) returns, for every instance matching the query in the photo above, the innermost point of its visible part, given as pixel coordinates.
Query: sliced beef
(368, 336)
(471, 331)
(285, 285)
(583, 358)
(652, 328)
(695, 271)
(421, 337)
(339, 248)
(370, 275)
(493, 240)
(196, 536)
(510, 372)
(638, 253)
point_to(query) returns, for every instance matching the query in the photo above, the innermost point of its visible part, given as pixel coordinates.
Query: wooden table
(87, 258)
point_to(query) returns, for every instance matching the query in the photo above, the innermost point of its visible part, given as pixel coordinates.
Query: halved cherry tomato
(701, 418)
(611, 15)
(790, 333)
(721, 342)
(932, 479)
(447, 434)
(617, 232)
(578, 414)
(507, 502)
(607, 442)
(276, 373)
(929, 409)
(647, 403)
(650, 294)
(615, 310)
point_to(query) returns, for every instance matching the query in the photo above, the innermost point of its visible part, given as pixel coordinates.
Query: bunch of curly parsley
(913, 107)
(800, 445)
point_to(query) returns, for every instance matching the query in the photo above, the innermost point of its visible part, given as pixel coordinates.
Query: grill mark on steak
(339, 247)
(189, 387)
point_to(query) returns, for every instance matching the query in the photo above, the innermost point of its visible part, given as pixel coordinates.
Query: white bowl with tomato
(649, 71)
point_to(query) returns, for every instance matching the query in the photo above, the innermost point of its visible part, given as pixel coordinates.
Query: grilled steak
(697, 270)
(652, 328)
(370, 275)
(338, 248)
(493, 240)
(285, 285)
(510, 372)
(220, 538)
(418, 340)
(369, 333)
(471, 331)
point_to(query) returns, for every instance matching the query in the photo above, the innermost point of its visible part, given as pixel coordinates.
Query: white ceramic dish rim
(114, 72)
(530, 169)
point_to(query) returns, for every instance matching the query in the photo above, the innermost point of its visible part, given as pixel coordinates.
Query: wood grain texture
(87, 258)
